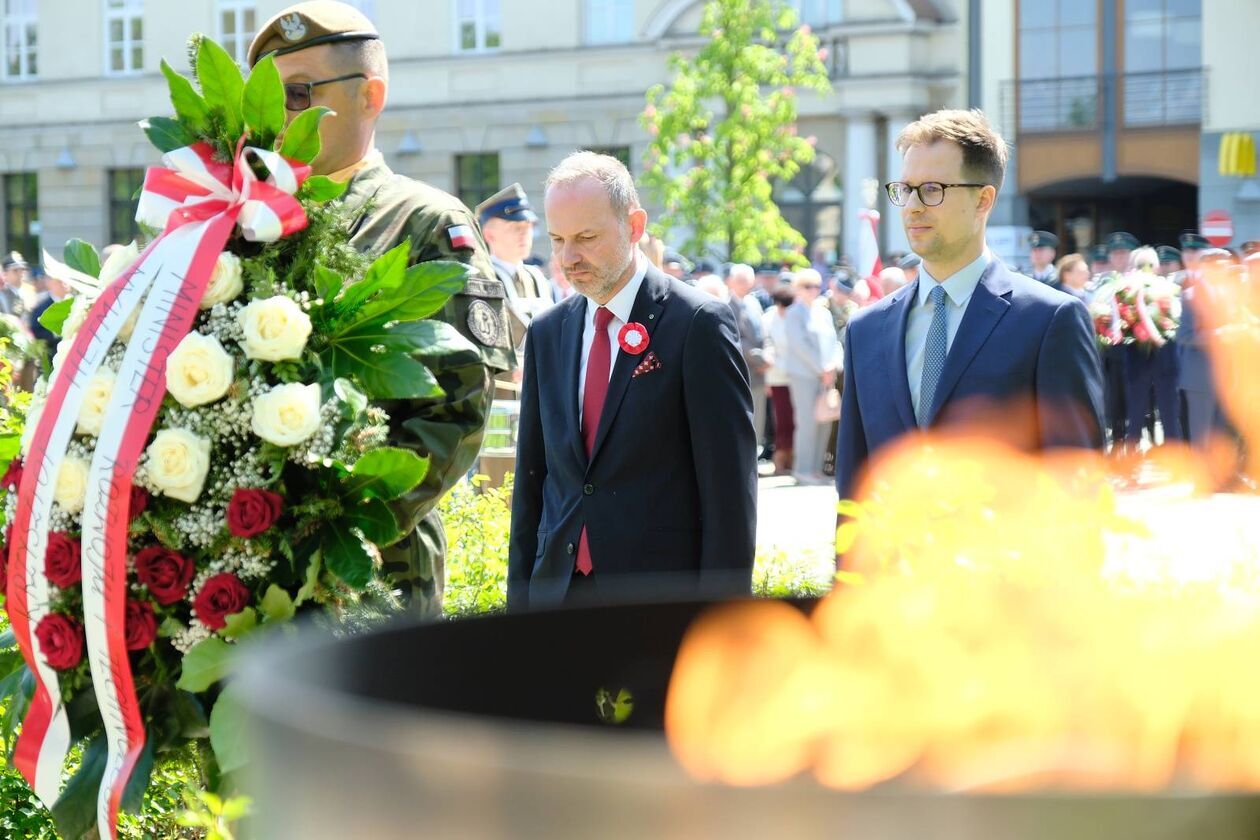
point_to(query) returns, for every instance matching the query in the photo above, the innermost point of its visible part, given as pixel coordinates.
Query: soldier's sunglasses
(930, 193)
(297, 95)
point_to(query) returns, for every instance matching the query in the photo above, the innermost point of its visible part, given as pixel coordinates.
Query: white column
(894, 238)
(861, 162)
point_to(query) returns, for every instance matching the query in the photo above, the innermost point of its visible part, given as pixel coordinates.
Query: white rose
(119, 260)
(275, 329)
(225, 283)
(199, 371)
(177, 462)
(287, 414)
(71, 484)
(95, 399)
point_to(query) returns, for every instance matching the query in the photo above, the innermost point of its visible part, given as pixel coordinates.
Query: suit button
(571, 548)
(589, 489)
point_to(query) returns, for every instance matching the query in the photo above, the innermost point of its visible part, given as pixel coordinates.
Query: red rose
(61, 640)
(139, 502)
(167, 573)
(61, 561)
(13, 475)
(219, 597)
(253, 511)
(141, 626)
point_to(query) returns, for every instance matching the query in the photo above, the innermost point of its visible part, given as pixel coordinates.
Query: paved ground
(793, 517)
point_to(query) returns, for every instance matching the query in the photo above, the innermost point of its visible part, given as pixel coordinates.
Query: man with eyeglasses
(970, 343)
(329, 54)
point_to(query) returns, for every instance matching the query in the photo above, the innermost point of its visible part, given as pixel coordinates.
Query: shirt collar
(960, 286)
(623, 301)
(343, 175)
(505, 265)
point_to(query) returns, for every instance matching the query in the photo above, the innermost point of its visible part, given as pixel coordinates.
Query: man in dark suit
(635, 460)
(970, 341)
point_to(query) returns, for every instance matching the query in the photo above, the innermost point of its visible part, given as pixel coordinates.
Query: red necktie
(597, 365)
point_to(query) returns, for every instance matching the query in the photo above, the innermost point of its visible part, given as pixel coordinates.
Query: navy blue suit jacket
(668, 496)
(1024, 363)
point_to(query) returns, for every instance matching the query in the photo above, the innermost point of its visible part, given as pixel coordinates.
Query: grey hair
(740, 270)
(607, 170)
(1144, 257)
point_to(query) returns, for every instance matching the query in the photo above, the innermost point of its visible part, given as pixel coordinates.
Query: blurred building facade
(1107, 102)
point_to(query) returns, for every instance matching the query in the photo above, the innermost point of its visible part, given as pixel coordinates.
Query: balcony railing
(1076, 103)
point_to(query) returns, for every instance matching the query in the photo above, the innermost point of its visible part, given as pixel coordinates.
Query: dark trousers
(1150, 383)
(1113, 391)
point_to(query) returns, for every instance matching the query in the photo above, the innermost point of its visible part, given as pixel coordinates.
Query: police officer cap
(1043, 239)
(310, 24)
(1168, 254)
(509, 203)
(767, 268)
(908, 262)
(1099, 253)
(1121, 241)
(1192, 239)
(13, 260)
(1251, 246)
(843, 280)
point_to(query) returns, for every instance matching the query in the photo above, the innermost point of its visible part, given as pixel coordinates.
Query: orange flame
(1012, 622)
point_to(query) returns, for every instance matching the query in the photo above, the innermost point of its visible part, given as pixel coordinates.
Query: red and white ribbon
(199, 202)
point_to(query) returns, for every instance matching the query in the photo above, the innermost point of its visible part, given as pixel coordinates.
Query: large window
(124, 186)
(19, 39)
(21, 214)
(609, 21)
(1163, 54)
(477, 25)
(1058, 64)
(819, 12)
(124, 36)
(476, 177)
(236, 27)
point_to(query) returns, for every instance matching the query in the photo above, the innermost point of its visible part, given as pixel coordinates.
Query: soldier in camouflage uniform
(330, 54)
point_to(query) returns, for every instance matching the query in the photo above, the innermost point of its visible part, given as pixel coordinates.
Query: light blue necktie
(933, 355)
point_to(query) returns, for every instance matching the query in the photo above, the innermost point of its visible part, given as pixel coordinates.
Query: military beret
(843, 280)
(1043, 239)
(1168, 254)
(1121, 241)
(310, 24)
(509, 203)
(1099, 253)
(908, 262)
(1251, 246)
(1192, 239)
(13, 260)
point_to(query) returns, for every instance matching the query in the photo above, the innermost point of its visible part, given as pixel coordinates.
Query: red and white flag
(461, 237)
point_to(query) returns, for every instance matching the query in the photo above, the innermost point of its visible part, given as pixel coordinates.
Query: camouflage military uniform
(387, 209)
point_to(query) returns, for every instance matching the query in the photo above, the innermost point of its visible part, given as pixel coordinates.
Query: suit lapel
(894, 334)
(984, 310)
(647, 308)
(571, 355)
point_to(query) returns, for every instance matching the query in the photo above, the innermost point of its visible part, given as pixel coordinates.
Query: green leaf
(313, 569)
(10, 446)
(425, 290)
(385, 473)
(277, 605)
(321, 189)
(75, 810)
(301, 138)
(347, 557)
(229, 734)
(167, 134)
(7, 639)
(54, 317)
(170, 627)
(348, 394)
(377, 356)
(385, 274)
(81, 256)
(240, 623)
(327, 282)
(133, 794)
(189, 105)
(436, 340)
(262, 102)
(222, 85)
(204, 665)
(377, 522)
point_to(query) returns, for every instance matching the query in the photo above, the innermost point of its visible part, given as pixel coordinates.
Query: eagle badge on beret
(293, 27)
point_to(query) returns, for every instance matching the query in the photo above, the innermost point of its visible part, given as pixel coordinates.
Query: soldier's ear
(374, 94)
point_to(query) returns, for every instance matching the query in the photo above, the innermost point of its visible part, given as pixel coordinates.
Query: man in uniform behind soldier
(1169, 260)
(1043, 246)
(1119, 247)
(330, 54)
(507, 221)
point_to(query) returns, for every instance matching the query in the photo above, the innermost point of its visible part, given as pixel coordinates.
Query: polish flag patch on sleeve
(461, 236)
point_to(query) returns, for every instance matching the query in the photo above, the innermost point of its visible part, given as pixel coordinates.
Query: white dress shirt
(958, 291)
(620, 306)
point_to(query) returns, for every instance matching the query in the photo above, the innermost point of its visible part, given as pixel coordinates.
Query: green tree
(725, 130)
